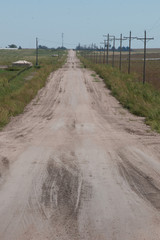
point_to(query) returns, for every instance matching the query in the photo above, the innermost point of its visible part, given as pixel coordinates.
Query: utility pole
(144, 65)
(120, 57)
(107, 47)
(89, 53)
(36, 51)
(104, 43)
(104, 55)
(112, 38)
(101, 51)
(145, 39)
(120, 60)
(97, 55)
(62, 39)
(129, 53)
(94, 54)
(114, 43)
(129, 56)
(100, 55)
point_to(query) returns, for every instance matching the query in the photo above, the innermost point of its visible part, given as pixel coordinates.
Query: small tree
(42, 47)
(12, 46)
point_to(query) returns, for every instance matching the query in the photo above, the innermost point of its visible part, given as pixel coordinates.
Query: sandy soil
(76, 165)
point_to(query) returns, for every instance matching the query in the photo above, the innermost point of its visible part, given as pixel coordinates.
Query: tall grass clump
(140, 99)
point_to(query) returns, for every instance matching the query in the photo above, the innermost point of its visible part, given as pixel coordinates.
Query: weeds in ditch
(16, 94)
(140, 99)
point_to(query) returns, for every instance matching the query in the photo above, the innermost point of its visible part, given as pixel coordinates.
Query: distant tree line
(45, 47)
(96, 48)
(40, 47)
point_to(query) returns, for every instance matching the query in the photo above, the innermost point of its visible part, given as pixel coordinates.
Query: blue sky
(81, 21)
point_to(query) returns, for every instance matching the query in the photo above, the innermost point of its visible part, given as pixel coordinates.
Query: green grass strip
(17, 93)
(140, 99)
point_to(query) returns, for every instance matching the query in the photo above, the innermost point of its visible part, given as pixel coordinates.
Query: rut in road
(76, 165)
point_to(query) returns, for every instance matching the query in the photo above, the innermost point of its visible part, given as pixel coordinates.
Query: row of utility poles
(121, 39)
(111, 38)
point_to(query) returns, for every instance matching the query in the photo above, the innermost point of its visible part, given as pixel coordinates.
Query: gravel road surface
(77, 166)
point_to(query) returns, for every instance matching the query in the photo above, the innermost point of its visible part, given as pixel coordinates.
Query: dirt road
(76, 166)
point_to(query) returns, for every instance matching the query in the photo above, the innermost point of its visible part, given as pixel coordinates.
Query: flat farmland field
(136, 67)
(152, 66)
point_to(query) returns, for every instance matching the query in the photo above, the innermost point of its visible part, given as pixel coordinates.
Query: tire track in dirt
(145, 183)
